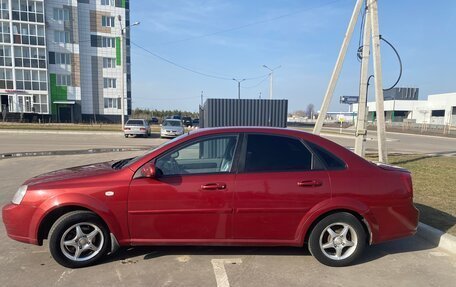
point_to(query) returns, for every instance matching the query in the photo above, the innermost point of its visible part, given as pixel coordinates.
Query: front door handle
(214, 186)
(310, 183)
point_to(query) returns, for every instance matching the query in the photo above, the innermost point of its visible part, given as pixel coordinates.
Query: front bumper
(170, 134)
(17, 220)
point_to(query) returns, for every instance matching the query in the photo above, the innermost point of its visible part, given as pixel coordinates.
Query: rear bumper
(130, 132)
(17, 220)
(396, 222)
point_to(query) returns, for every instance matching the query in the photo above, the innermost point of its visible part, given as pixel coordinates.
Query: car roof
(173, 120)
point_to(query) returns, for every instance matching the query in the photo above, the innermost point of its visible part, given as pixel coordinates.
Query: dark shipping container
(243, 112)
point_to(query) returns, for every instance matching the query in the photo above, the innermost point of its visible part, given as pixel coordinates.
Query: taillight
(127, 129)
(407, 179)
(142, 129)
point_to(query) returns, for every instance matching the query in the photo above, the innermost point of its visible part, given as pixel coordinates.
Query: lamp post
(271, 72)
(239, 86)
(124, 67)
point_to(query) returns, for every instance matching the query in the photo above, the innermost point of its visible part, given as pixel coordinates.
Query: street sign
(348, 100)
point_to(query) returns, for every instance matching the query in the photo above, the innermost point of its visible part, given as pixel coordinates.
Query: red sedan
(224, 186)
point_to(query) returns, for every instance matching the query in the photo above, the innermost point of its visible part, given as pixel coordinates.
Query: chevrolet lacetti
(223, 186)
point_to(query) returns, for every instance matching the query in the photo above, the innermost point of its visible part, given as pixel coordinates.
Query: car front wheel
(78, 239)
(337, 240)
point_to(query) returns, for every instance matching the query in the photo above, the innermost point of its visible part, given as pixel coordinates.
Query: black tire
(64, 230)
(345, 253)
(126, 136)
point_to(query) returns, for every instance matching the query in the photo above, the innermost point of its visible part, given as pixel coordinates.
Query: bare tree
(310, 110)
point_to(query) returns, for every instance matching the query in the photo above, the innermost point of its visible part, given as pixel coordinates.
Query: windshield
(135, 159)
(171, 123)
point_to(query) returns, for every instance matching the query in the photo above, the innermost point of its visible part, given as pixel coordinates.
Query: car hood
(72, 173)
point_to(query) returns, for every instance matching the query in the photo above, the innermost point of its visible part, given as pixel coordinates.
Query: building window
(62, 37)
(29, 34)
(28, 10)
(5, 56)
(112, 103)
(437, 113)
(109, 83)
(107, 21)
(63, 80)
(109, 63)
(5, 32)
(6, 78)
(108, 2)
(29, 57)
(4, 14)
(102, 42)
(40, 104)
(59, 58)
(61, 14)
(31, 80)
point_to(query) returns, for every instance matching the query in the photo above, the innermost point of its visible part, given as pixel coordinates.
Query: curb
(63, 132)
(439, 238)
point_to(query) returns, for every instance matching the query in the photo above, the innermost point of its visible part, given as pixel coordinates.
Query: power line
(250, 24)
(187, 68)
(257, 84)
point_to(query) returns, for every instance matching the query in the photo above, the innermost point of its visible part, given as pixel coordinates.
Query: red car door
(279, 182)
(192, 197)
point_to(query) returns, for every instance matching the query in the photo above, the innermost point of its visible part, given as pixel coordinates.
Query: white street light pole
(123, 68)
(271, 75)
(239, 86)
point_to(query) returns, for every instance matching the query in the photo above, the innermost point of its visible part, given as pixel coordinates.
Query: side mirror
(148, 170)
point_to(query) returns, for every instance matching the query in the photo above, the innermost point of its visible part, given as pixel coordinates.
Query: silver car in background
(137, 127)
(171, 128)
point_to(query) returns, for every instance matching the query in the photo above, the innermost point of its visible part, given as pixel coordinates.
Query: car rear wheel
(78, 239)
(337, 240)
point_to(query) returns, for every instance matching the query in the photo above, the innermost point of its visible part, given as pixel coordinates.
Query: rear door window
(276, 153)
(331, 161)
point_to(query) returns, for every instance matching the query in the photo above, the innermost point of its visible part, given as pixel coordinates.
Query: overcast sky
(220, 40)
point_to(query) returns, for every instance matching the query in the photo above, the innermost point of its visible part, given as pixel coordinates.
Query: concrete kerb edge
(19, 131)
(439, 238)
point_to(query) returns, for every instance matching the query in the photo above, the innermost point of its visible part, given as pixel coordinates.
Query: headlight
(20, 193)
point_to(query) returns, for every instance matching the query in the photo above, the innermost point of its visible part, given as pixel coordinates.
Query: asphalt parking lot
(406, 262)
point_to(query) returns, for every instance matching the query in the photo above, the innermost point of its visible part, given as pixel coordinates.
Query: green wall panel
(118, 51)
(58, 93)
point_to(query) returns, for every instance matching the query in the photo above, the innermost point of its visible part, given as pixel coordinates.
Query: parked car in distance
(171, 128)
(176, 117)
(220, 186)
(137, 127)
(154, 121)
(195, 122)
(187, 121)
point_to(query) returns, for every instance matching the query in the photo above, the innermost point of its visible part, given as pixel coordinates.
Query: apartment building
(62, 60)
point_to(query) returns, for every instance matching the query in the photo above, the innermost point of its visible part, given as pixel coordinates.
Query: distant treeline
(160, 114)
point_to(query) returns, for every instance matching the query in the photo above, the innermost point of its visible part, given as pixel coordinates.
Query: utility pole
(361, 131)
(372, 17)
(239, 86)
(122, 62)
(381, 134)
(123, 87)
(271, 75)
(337, 68)
(201, 98)
(260, 95)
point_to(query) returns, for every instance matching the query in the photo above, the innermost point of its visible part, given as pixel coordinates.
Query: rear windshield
(135, 123)
(172, 123)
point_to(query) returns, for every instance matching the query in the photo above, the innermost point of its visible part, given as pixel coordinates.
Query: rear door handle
(310, 183)
(214, 186)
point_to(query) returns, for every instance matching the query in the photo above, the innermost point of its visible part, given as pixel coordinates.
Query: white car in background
(171, 128)
(137, 127)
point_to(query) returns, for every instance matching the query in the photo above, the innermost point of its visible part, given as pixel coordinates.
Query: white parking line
(219, 270)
